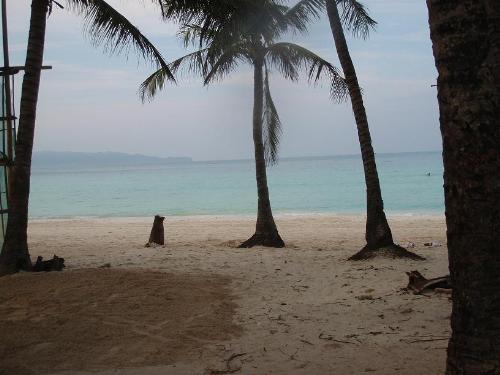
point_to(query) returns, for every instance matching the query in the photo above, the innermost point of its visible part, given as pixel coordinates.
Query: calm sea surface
(302, 185)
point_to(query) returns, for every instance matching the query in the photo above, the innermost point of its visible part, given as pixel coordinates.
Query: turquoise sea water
(299, 185)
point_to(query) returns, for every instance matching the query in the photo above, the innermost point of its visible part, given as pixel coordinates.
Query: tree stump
(54, 264)
(157, 236)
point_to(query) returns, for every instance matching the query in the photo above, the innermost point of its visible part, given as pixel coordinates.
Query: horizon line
(239, 159)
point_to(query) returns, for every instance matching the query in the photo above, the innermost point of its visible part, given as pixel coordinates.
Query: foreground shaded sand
(201, 306)
(97, 318)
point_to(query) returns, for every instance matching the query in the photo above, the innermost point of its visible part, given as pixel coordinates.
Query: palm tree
(105, 25)
(249, 34)
(465, 37)
(378, 233)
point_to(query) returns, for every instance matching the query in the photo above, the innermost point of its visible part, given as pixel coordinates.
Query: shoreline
(288, 215)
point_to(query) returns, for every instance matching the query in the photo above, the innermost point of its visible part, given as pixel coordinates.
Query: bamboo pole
(8, 94)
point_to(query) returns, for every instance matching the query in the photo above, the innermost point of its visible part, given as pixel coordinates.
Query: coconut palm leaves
(209, 15)
(290, 59)
(272, 124)
(354, 15)
(303, 12)
(110, 29)
(355, 18)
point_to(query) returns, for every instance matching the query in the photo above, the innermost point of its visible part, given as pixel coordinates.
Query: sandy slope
(299, 310)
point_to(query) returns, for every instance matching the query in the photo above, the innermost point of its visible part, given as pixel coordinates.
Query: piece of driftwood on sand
(418, 283)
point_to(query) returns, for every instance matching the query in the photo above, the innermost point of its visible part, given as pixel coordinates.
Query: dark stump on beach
(54, 264)
(157, 236)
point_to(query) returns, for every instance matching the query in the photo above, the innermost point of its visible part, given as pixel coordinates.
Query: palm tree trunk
(378, 233)
(266, 233)
(15, 255)
(466, 44)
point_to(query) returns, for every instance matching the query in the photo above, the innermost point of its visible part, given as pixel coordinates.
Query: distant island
(46, 159)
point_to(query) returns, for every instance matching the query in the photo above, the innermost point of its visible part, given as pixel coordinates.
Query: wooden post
(8, 93)
(9, 152)
(157, 236)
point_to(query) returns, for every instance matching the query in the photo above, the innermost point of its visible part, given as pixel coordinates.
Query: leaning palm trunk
(266, 233)
(378, 232)
(469, 106)
(15, 255)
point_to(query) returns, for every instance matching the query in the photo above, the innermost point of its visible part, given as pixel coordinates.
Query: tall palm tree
(105, 25)
(466, 42)
(378, 233)
(249, 34)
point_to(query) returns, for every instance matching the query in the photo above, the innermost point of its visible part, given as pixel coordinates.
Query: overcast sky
(89, 101)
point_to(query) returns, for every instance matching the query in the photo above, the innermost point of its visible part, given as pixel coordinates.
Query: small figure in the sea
(428, 174)
(157, 236)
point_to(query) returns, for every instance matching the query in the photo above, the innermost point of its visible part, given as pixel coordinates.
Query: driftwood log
(418, 283)
(54, 264)
(157, 236)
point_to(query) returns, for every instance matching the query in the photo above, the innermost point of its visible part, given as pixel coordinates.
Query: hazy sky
(89, 101)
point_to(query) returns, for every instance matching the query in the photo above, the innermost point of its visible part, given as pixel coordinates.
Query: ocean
(412, 183)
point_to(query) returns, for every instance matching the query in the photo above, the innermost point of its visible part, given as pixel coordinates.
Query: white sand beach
(201, 306)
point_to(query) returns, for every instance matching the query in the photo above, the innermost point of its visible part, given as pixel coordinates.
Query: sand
(201, 306)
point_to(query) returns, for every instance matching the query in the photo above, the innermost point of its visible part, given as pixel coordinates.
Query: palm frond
(266, 19)
(272, 125)
(186, 11)
(107, 27)
(191, 34)
(209, 15)
(304, 12)
(271, 19)
(289, 58)
(222, 61)
(285, 60)
(151, 85)
(192, 63)
(355, 18)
